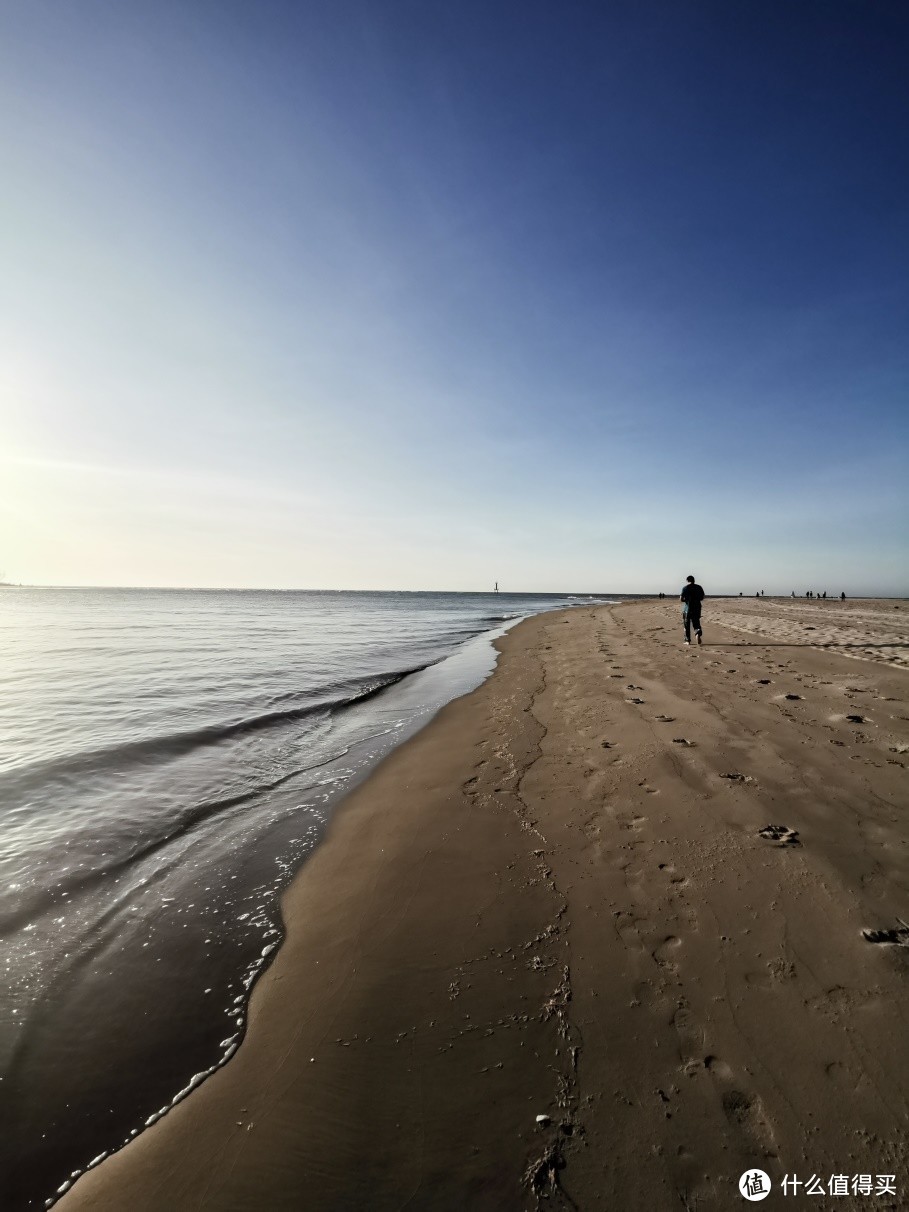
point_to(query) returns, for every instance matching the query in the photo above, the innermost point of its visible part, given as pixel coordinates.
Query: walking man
(691, 597)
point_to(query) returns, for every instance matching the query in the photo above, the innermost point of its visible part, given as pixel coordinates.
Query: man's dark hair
(690, 579)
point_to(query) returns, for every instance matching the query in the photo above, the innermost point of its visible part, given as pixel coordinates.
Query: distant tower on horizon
(496, 590)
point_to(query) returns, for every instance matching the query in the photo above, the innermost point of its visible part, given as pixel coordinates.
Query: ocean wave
(168, 746)
(38, 901)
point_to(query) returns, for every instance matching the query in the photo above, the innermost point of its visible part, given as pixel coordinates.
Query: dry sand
(561, 899)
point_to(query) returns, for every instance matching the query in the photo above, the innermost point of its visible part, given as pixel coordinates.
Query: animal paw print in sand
(781, 834)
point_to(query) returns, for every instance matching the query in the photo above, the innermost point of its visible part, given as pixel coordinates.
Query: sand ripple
(867, 630)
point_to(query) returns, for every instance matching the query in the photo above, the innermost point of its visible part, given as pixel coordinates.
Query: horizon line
(834, 597)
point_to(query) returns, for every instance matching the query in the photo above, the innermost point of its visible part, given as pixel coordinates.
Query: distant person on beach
(691, 597)
(842, 597)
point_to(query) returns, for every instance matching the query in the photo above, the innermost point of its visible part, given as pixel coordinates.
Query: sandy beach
(620, 925)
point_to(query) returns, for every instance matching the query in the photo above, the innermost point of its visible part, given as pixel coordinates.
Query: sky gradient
(423, 296)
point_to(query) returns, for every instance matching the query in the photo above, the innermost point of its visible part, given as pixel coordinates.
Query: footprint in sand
(674, 877)
(642, 993)
(739, 1107)
(718, 1068)
(634, 700)
(793, 698)
(836, 1071)
(630, 823)
(680, 740)
(665, 719)
(857, 719)
(627, 929)
(897, 937)
(763, 681)
(735, 777)
(743, 1110)
(781, 834)
(665, 950)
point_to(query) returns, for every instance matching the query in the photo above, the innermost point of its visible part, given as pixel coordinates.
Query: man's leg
(686, 619)
(696, 624)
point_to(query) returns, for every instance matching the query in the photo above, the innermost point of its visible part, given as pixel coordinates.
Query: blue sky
(408, 295)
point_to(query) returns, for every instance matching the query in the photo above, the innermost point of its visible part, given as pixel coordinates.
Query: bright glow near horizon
(381, 296)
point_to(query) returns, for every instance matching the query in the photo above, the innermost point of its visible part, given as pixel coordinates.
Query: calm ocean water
(167, 760)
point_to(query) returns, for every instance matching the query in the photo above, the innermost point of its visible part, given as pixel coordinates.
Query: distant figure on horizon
(842, 597)
(691, 597)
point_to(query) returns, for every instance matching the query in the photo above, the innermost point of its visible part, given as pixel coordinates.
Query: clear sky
(387, 294)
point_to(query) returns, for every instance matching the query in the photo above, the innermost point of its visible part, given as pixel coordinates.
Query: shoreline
(535, 906)
(181, 912)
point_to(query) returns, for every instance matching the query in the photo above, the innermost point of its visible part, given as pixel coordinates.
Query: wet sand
(622, 886)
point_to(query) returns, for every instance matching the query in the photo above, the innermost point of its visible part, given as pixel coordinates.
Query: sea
(168, 760)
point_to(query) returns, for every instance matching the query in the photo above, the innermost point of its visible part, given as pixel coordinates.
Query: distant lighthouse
(496, 590)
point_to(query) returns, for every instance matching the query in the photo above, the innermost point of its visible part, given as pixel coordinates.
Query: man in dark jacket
(691, 597)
